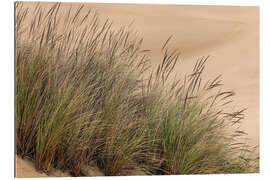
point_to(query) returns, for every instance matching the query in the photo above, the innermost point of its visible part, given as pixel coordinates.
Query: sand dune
(229, 34)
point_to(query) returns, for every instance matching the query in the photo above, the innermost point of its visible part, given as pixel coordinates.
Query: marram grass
(83, 95)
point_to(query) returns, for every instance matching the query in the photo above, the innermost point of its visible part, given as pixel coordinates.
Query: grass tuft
(83, 95)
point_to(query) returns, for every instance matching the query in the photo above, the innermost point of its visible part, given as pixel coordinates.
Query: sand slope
(229, 34)
(26, 169)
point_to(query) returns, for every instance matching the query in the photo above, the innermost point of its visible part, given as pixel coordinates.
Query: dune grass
(84, 95)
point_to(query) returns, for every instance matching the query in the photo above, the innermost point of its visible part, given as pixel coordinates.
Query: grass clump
(83, 96)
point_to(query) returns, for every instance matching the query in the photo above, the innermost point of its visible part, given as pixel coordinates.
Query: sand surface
(26, 169)
(230, 35)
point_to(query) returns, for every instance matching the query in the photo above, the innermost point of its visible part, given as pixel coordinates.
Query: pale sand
(229, 34)
(26, 169)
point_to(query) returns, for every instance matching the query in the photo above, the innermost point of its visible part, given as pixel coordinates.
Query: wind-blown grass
(83, 96)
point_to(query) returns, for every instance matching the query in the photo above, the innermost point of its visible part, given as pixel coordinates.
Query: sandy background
(229, 34)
